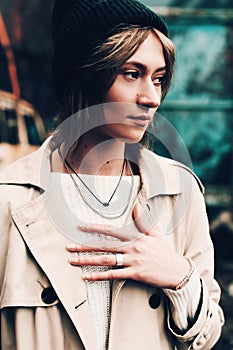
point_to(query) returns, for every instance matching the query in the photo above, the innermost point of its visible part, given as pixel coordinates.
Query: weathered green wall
(199, 103)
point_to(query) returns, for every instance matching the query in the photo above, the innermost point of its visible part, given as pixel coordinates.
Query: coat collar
(160, 176)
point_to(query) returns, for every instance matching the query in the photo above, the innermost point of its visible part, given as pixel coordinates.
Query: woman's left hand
(147, 259)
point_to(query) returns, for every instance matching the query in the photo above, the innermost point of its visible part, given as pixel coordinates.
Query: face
(135, 94)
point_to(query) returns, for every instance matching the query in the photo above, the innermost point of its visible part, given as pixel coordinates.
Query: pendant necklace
(69, 168)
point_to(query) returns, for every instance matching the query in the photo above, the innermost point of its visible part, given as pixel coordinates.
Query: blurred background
(199, 104)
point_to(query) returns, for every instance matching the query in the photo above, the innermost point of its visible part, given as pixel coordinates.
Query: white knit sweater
(184, 302)
(99, 293)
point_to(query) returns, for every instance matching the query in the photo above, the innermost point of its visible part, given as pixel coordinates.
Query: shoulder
(175, 175)
(20, 182)
(26, 170)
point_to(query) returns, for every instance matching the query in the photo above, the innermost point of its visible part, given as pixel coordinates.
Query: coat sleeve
(5, 223)
(206, 329)
(11, 197)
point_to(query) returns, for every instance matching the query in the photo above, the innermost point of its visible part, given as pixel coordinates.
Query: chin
(126, 134)
(132, 139)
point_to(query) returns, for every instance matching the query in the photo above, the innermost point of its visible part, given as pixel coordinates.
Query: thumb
(143, 219)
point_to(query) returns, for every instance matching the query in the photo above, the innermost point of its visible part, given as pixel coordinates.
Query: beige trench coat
(43, 298)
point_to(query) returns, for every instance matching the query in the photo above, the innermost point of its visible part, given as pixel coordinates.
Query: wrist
(187, 277)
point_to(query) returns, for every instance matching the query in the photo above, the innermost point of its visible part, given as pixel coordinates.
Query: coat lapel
(48, 246)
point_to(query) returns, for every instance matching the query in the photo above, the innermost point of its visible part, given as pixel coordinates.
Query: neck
(104, 158)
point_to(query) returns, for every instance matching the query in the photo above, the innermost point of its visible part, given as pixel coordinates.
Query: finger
(141, 216)
(109, 246)
(107, 230)
(96, 260)
(112, 274)
(96, 228)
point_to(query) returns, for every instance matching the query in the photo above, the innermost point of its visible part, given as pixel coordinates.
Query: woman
(105, 245)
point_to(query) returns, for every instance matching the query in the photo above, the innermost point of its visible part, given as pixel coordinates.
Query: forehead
(150, 52)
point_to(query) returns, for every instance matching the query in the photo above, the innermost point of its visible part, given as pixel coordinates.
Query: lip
(140, 120)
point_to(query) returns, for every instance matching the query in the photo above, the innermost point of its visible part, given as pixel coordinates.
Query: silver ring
(119, 259)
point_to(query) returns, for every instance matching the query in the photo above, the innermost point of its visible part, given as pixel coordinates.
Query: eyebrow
(141, 66)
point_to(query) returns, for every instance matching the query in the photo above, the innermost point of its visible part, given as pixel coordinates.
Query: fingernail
(71, 246)
(86, 276)
(81, 228)
(73, 260)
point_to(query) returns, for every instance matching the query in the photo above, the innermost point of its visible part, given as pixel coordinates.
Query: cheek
(119, 92)
(113, 95)
(113, 112)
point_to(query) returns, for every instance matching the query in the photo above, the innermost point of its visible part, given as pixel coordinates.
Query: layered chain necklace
(70, 169)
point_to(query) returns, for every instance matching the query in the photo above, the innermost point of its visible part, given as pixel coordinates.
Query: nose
(149, 95)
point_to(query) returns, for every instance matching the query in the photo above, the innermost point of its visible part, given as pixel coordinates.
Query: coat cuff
(185, 302)
(206, 330)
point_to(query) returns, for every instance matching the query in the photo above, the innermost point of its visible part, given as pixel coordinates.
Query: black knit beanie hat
(81, 25)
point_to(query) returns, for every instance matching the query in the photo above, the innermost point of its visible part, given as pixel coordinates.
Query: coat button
(48, 295)
(154, 301)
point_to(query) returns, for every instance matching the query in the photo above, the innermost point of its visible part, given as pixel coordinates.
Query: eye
(132, 74)
(158, 80)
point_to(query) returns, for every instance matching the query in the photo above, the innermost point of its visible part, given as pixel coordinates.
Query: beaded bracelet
(187, 277)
